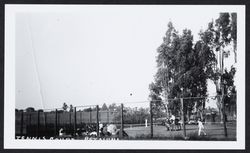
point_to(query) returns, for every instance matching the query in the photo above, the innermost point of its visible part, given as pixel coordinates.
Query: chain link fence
(135, 120)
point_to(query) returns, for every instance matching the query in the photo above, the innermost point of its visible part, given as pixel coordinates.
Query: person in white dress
(200, 127)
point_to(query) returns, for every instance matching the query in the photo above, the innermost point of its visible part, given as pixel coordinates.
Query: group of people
(173, 123)
(110, 130)
(107, 129)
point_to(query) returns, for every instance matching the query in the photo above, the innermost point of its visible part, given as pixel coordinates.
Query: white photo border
(9, 89)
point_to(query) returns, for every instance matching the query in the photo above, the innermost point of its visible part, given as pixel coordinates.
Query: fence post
(183, 118)
(108, 116)
(21, 132)
(30, 126)
(27, 122)
(30, 119)
(38, 123)
(56, 123)
(74, 121)
(90, 116)
(70, 121)
(151, 120)
(223, 111)
(80, 117)
(121, 129)
(97, 120)
(45, 121)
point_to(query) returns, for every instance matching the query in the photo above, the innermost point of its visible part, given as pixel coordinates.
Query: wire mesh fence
(132, 120)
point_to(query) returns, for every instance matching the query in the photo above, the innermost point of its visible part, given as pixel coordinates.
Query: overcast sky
(100, 54)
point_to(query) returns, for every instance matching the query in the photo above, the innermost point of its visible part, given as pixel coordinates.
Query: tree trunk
(235, 48)
(219, 100)
(221, 111)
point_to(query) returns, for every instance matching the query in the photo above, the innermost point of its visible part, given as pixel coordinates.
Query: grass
(215, 132)
(192, 137)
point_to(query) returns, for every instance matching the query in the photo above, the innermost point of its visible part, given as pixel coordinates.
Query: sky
(100, 54)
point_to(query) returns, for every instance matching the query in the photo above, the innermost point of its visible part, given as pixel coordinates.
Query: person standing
(200, 127)
(172, 122)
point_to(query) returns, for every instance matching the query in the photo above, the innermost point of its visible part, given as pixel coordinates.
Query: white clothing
(100, 125)
(172, 117)
(200, 125)
(112, 129)
(201, 128)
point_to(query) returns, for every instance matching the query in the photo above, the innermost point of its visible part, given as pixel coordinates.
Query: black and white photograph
(124, 76)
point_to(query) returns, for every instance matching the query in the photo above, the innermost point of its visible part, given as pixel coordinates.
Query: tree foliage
(71, 108)
(104, 107)
(182, 69)
(65, 107)
(221, 37)
(229, 87)
(30, 109)
(156, 100)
